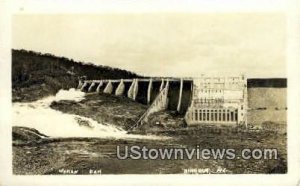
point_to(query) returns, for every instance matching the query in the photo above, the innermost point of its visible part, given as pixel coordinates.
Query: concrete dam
(205, 100)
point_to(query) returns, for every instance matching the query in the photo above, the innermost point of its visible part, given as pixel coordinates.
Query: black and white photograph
(151, 92)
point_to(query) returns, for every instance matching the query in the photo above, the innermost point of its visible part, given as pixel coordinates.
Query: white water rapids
(40, 116)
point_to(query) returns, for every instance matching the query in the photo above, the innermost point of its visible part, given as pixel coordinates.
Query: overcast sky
(162, 44)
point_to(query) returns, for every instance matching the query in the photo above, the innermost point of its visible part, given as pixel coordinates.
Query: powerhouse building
(218, 100)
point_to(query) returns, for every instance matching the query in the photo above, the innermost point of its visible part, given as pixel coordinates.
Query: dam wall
(173, 95)
(265, 96)
(159, 93)
(142, 92)
(154, 90)
(187, 93)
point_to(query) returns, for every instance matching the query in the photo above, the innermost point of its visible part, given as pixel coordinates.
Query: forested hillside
(35, 75)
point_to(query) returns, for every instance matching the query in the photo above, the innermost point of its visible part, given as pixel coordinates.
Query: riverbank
(51, 156)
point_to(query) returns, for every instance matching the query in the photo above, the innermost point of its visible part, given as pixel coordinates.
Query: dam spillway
(205, 100)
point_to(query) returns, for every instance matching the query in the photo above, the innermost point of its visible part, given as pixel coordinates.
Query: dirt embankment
(105, 109)
(26, 135)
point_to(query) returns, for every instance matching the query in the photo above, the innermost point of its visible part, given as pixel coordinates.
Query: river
(40, 116)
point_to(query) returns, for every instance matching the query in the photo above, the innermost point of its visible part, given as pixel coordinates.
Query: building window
(236, 115)
(228, 115)
(216, 115)
(196, 115)
(200, 116)
(208, 118)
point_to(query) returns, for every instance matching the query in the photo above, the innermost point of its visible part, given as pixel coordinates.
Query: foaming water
(40, 116)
